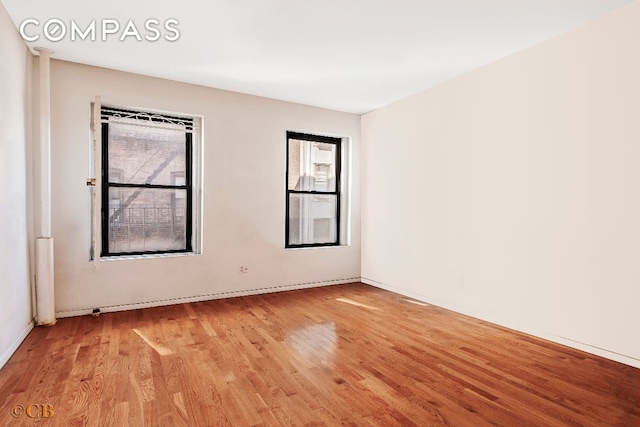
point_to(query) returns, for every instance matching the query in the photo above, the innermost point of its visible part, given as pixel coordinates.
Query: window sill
(317, 247)
(147, 256)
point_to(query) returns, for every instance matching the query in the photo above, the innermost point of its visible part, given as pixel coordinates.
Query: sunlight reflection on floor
(356, 303)
(162, 350)
(412, 301)
(315, 341)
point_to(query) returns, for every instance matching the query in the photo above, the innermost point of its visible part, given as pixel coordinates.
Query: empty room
(291, 213)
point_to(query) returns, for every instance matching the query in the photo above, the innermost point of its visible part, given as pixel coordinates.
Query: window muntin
(147, 193)
(312, 191)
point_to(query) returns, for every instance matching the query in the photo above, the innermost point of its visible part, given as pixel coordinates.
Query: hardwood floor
(340, 355)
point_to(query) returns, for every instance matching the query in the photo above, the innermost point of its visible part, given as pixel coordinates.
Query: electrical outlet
(244, 269)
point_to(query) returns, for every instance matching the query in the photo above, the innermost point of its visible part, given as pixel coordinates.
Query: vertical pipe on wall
(96, 201)
(45, 297)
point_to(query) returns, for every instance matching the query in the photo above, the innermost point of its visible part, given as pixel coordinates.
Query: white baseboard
(198, 298)
(4, 358)
(607, 354)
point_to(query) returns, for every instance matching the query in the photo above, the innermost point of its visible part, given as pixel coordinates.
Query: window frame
(337, 193)
(189, 129)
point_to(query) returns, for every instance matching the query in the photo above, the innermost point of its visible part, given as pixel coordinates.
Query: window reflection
(315, 341)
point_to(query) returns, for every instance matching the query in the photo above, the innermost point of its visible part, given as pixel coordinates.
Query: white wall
(244, 165)
(15, 286)
(513, 193)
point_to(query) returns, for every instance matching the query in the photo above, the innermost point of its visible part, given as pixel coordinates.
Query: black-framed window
(147, 195)
(312, 191)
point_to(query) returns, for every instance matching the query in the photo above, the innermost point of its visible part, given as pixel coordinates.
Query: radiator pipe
(45, 296)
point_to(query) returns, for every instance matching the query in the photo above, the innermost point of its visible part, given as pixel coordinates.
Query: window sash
(336, 193)
(148, 120)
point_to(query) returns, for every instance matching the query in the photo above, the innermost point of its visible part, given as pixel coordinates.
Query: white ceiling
(347, 55)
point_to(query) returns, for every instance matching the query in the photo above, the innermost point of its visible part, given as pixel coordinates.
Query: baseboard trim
(15, 344)
(207, 297)
(587, 348)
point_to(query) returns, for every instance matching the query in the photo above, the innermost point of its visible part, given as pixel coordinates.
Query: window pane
(312, 166)
(142, 219)
(143, 155)
(312, 219)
